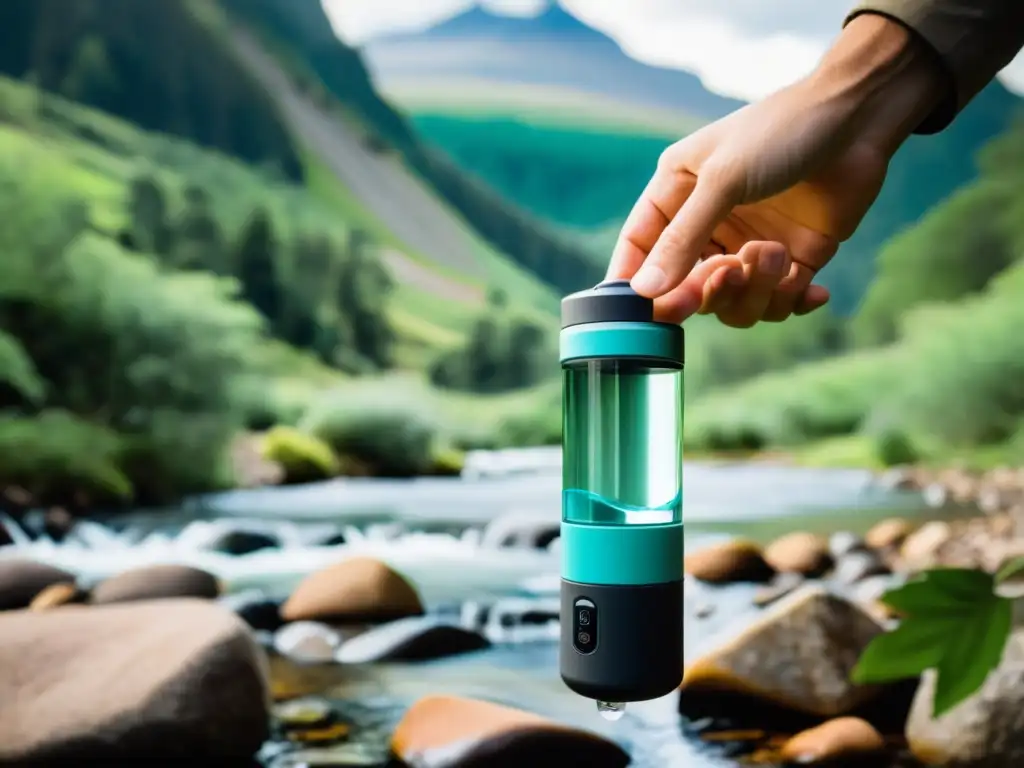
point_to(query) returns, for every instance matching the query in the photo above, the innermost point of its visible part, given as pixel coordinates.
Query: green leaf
(905, 652)
(1011, 569)
(941, 591)
(955, 624)
(972, 653)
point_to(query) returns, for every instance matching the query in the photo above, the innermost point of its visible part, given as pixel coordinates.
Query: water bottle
(622, 523)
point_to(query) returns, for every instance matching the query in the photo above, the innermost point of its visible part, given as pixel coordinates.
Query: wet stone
(842, 543)
(778, 588)
(305, 713)
(857, 566)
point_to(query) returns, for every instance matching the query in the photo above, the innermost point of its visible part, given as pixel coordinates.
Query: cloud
(740, 48)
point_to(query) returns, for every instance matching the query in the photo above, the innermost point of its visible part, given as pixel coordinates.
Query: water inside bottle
(588, 507)
(611, 710)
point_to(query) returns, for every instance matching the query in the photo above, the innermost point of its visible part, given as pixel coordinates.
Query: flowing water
(432, 530)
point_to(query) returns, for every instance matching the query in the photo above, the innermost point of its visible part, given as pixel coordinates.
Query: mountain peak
(483, 20)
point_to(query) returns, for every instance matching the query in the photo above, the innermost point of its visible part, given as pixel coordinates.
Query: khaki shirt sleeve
(974, 40)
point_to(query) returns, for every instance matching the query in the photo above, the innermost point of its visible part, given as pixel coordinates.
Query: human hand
(765, 195)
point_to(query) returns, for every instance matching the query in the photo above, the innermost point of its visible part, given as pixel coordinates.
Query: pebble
(307, 641)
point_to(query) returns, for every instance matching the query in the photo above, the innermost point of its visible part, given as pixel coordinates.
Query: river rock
(354, 590)
(728, 562)
(256, 609)
(307, 712)
(857, 566)
(843, 543)
(154, 582)
(984, 731)
(921, 548)
(869, 592)
(243, 542)
(797, 654)
(521, 532)
(890, 533)
(56, 595)
(417, 638)
(799, 552)
(453, 732)
(780, 586)
(120, 684)
(843, 738)
(22, 579)
(308, 642)
(57, 523)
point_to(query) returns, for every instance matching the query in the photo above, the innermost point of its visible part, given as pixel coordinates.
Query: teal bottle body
(622, 525)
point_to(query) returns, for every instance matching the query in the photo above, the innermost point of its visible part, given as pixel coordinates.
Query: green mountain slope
(295, 31)
(155, 63)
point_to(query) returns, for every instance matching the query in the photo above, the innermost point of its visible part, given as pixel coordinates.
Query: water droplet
(611, 710)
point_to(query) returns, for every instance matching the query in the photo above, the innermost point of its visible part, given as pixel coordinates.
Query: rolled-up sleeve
(973, 40)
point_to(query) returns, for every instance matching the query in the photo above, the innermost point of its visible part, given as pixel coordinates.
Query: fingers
(679, 247)
(759, 284)
(765, 264)
(659, 203)
(684, 300)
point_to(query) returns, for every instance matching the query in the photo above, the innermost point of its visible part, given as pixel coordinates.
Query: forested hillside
(299, 32)
(158, 64)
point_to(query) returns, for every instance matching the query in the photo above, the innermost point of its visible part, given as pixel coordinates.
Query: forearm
(883, 79)
(971, 39)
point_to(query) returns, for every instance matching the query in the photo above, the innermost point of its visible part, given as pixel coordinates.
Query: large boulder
(728, 562)
(798, 654)
(21, 580)
(178, 679)
(986, 730)
(355, 590)
(452, 732)
(154, 582)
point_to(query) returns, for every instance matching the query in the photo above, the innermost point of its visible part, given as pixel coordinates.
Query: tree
(198, 239)
(149, 231)
(362, 292)
(90, 77)
(256, 260)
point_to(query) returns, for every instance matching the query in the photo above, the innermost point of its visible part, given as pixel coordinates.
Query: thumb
(680, 245)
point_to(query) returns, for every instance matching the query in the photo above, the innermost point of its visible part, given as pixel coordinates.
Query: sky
(740, 48)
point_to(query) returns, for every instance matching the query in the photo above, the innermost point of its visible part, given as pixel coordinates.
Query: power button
(584, 617)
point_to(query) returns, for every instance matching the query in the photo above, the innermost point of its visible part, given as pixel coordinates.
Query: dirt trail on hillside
(388, 190)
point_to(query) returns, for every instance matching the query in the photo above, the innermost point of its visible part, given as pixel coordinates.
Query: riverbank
(458, 583)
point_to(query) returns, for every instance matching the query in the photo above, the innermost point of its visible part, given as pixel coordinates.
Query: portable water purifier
(622, 523)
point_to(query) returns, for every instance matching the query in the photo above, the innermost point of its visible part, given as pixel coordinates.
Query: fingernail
(735, 277)
(649, 281)
(772, 261)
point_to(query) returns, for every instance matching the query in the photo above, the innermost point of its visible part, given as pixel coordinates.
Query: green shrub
(55, 455)
(816, 400)
(391, 440)
(895, 448)
(965, 365)
(304, 458)
(447, 461)
(526, 430)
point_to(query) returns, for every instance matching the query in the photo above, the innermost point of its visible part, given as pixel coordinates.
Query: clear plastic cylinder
(622, 442)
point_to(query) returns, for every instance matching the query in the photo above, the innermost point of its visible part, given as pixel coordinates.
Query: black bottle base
(622, 643)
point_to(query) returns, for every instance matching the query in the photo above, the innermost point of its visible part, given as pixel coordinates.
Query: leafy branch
(954, 622)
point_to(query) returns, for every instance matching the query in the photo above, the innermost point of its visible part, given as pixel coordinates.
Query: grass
(539, 105)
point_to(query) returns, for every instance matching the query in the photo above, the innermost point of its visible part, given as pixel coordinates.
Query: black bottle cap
(612, 301)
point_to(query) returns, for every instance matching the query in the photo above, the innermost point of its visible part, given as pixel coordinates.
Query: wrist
(883, 78)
